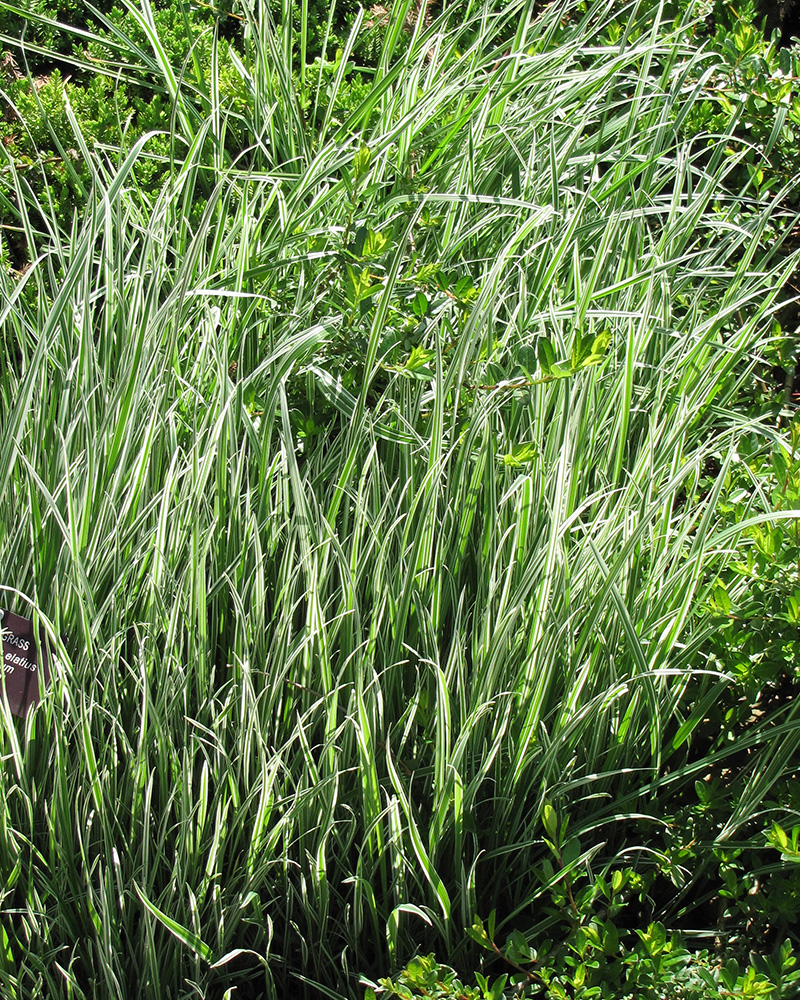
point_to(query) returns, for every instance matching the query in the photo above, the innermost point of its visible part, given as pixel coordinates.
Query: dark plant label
(23, 659)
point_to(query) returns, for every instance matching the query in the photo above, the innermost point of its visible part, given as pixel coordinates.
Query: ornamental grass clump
(355, 475)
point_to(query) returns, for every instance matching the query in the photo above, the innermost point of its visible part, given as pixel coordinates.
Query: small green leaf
(429, 220)
(601, 342)
(426, 274)
(520, 454)
(465, 290)
(778, 837)
(252, 401)
(361, 162)
(550, 821)
(5, 947)
(793, 608)
(517, 948)
(418, 361)
(479, 935)
(654, 938)
(592, 359)
(610, 938)
(721, 599)
(729, 974)
(360, 286)
(780, 467)
(546, 354)
(420, 304)
(374, 245)
(593, 935)
(496, 990)
(359, 239)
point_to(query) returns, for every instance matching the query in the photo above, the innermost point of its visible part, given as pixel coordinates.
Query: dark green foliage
(108, 115)
(319, 12)
(755, 606)
(36, 24)
(755, 84)
(590, 949)
(117, 105)
(37, 120)
(654, 966)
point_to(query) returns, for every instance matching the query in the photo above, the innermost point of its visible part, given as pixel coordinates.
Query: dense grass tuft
(355, 475)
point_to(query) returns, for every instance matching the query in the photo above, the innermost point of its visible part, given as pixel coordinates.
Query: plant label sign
(23, 659)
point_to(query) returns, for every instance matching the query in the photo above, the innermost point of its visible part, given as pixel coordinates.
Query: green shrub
(656, 967)
(36, 25)
(752, 82)
(755, 605)
(591, 951)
